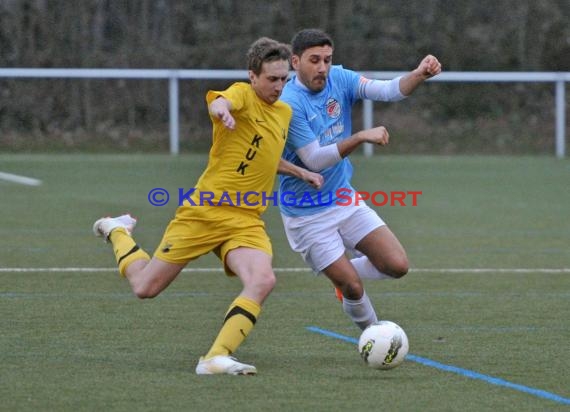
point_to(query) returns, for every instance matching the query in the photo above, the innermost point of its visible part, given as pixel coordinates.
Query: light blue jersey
(325, 116)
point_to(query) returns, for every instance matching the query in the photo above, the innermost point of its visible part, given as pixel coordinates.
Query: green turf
(74, 341)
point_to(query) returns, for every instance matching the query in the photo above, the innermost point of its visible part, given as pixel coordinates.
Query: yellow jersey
(243, 162)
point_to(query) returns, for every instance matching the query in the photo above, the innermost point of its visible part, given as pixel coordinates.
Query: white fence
(558, 79)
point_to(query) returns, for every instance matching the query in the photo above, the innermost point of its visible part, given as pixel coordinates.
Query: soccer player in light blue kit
(320, 139)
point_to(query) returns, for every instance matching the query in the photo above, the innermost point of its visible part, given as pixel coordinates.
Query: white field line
(23, 180)
(296, 270)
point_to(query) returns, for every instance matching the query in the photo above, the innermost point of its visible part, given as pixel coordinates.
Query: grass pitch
(488, 294)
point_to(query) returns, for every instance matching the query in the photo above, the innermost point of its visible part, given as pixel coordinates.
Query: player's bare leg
(344, 277)
(385, 252)
(253, 267)
(149, 278)
(355, 302)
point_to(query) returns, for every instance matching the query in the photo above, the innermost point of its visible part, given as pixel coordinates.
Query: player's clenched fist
(429, 66)
(378, 135)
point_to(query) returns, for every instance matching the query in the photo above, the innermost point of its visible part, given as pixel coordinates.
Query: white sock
(366, 270)
(360, 311)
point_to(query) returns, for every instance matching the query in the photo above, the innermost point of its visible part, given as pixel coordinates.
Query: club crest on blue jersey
(333, 108)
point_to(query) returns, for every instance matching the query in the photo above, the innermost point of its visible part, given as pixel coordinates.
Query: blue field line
(460, 371)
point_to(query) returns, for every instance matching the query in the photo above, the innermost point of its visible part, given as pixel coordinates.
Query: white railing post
(173, 113)
(367, 120)
(560, 119)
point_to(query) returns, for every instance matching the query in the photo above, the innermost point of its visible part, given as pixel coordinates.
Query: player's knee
(260, 284)
(267, 282)
(144, 294)
(399, 267)
(145, 291)
(353, 290)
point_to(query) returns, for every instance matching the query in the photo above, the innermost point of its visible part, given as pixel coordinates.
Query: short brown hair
(264, 50)
(307, 38)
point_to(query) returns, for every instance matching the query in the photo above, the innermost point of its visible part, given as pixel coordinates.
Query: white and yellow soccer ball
(383, 345)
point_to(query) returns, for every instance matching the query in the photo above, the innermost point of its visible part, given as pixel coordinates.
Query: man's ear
(295, 61)
(251, 76)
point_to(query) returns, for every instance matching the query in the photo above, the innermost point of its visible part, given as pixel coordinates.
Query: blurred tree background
(132, 115)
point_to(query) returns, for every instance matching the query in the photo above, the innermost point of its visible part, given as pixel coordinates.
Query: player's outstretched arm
(287, 168)
(428, 67)
(221, 108)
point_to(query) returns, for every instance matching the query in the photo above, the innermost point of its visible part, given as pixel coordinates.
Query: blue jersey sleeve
(349, 81)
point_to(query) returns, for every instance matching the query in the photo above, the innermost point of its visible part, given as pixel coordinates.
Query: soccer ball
(383, 345)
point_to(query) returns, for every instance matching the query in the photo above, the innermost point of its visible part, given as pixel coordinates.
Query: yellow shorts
(198, 230)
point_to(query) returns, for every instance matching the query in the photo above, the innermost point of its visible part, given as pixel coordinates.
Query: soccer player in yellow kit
(223, 213)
